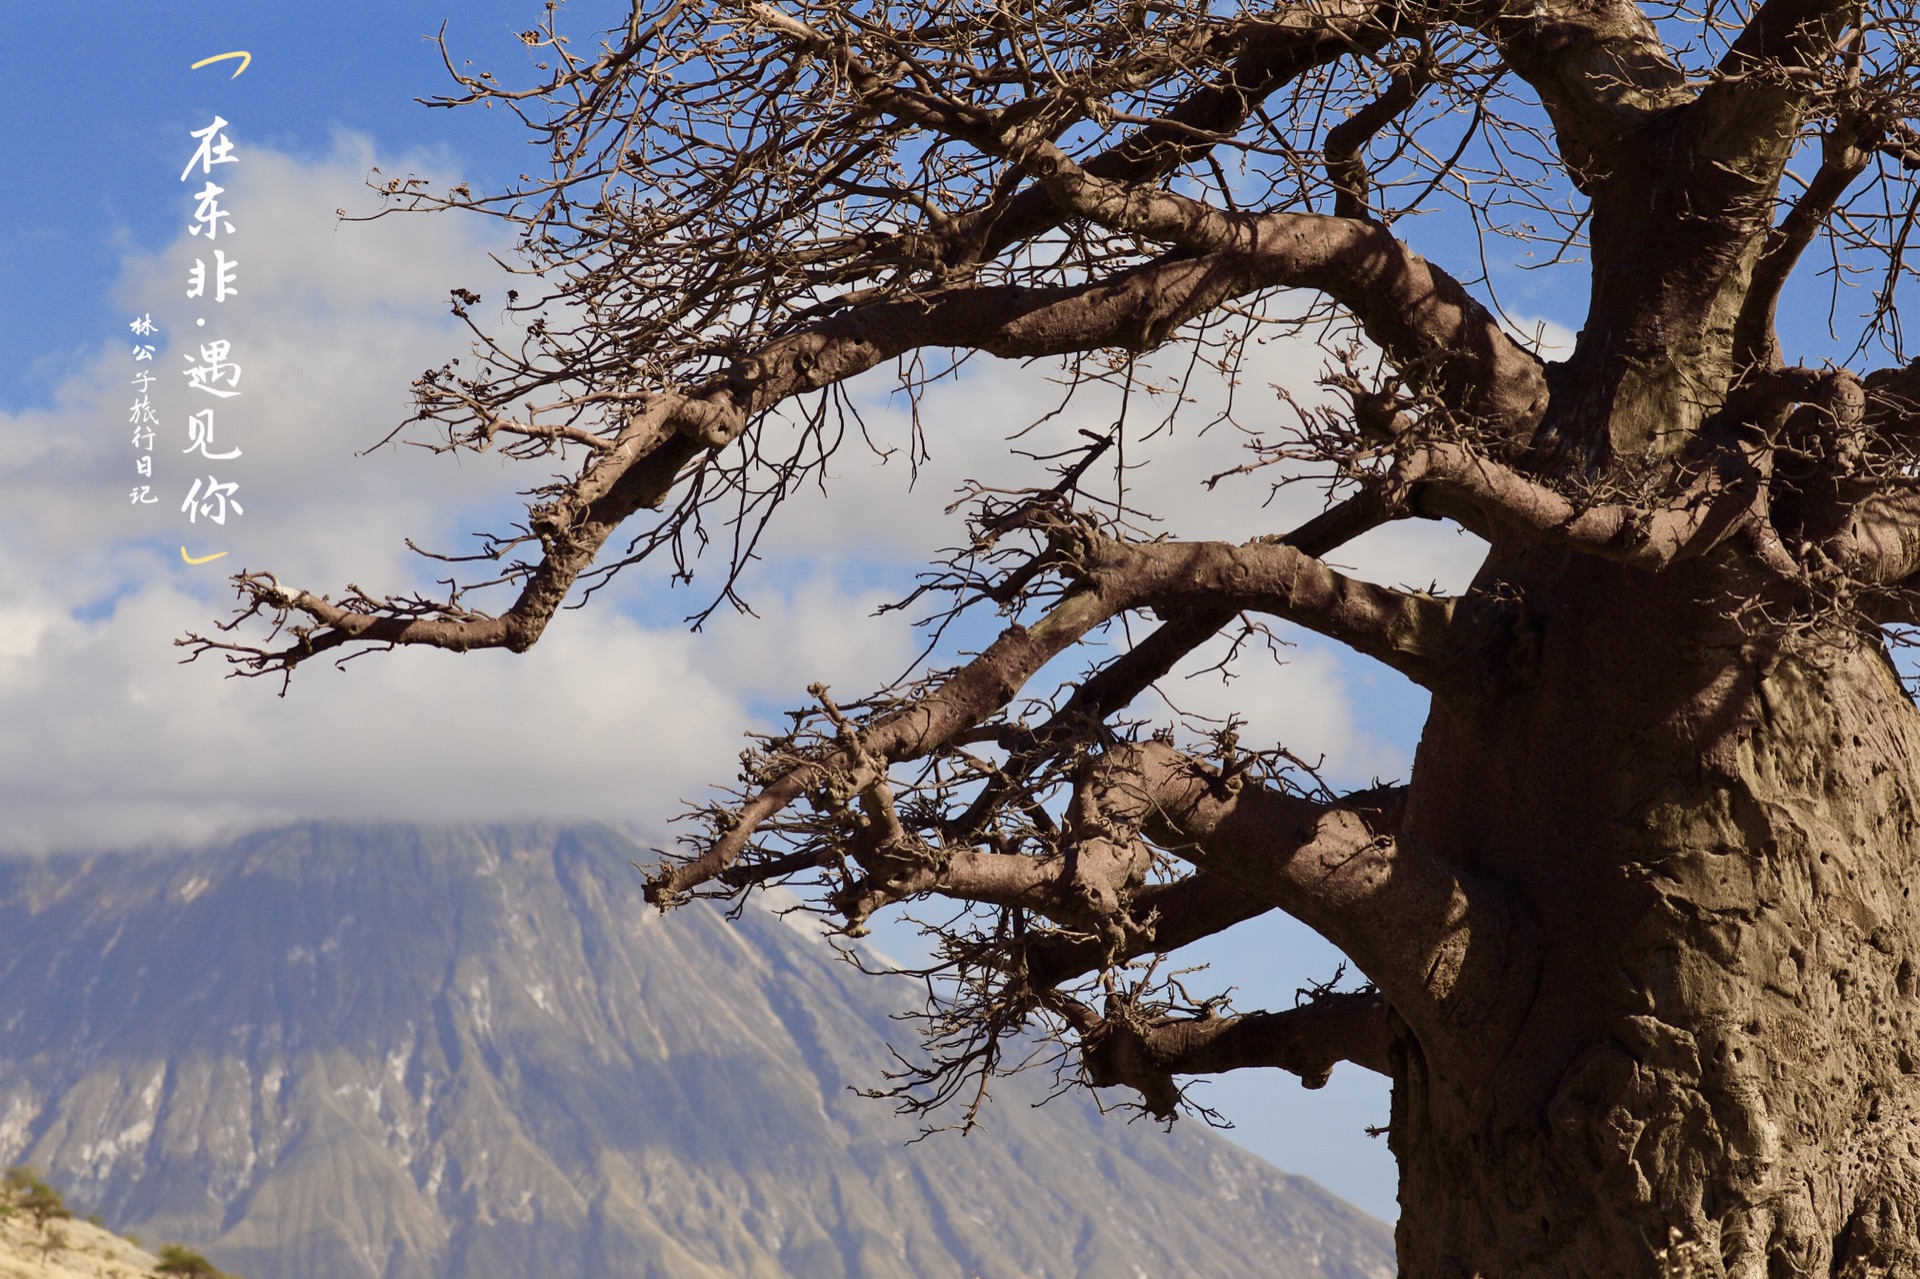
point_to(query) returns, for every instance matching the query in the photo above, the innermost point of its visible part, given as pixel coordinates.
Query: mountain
(345, 1052)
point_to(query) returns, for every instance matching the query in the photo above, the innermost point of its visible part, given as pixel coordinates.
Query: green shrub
(178, 1259)
(34, 1196)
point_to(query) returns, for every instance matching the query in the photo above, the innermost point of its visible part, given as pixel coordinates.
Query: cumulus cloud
(1548, 339)
(1303, 693)
(619, 712)
(108, 740)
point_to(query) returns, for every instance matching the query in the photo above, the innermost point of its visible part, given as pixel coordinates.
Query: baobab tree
(1638, 932)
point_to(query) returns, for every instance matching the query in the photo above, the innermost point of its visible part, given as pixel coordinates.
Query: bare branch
(1162, 918)
(1443, 948)
(1893, 404)
(1144, 1053)
(1843, 160)
(1279, 50)
(1114, 686)
(1489, 498)
(1880, 544)
(965, 698)
(1600, 68)
(1408, 631)
(1346, 140)
(1137, 309)
(1418, 314)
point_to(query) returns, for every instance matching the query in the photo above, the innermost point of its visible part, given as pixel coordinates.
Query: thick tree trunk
(1715, 842)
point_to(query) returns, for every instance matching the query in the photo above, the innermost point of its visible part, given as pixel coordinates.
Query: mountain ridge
(341, 1050)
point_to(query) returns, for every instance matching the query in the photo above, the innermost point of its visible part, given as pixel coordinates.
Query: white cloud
(1308, 699)
(871, 511)
(1549, 339)
(1302, 699)
(105, 739)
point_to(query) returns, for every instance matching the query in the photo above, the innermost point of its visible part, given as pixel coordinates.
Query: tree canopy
(750, 205)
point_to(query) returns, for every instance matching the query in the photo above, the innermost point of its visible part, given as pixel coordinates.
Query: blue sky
(112, 743)
(619, 713)
(98, 213)
(98, 97)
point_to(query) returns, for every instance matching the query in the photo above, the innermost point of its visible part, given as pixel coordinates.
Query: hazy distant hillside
(332, 1051)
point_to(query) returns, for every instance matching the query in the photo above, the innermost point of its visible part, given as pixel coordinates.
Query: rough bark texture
(1717, 846)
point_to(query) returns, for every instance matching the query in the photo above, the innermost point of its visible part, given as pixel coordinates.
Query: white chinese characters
(200, 437)
(213, 369)
(140, 414)
(222, 276)
(214, 149)
(213, 504)
(208, 216)
(210, 369)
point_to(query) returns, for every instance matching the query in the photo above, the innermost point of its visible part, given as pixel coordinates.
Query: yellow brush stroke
(204, 559)
(245, 59)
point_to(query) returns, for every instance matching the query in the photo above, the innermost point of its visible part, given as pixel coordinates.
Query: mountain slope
(68, 1250)
(331, 1051)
